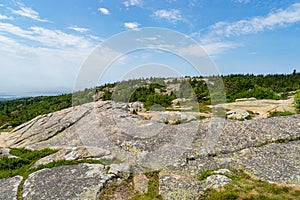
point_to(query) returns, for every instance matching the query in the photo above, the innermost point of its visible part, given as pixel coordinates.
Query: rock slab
(73, 182)
(9, 187)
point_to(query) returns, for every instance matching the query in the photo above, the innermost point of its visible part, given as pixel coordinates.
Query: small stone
(5, 152)
(217, 181)
(140, 182)
(122, 170)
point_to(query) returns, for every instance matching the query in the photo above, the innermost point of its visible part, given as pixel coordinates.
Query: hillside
(142, 139)
(152, 91)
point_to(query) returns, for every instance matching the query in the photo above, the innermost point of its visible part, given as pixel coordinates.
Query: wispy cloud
(172, 15)
(1, 5)
(131, 25)
(241, 1)
(78, 29)
(3, 17)
(278, 18)
(28, 13)
(132, 3)
(57, 58)
(47, 37)
(104, 11)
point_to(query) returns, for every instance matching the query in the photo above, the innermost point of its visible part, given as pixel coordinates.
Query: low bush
(297, 101)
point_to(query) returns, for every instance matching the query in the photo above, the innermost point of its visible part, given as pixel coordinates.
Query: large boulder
(82, 181)
(9, 187)
(74, 153)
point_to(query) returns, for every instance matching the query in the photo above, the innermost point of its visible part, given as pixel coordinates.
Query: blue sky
(43, 43)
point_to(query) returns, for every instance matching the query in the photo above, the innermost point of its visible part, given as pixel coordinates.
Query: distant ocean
(6, 98)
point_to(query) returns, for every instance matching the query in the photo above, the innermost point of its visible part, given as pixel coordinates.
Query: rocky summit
(131, 145)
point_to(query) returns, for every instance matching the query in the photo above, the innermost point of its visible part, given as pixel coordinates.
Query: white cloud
(47, 37)
(29, 13)
(279, 18)
(3, 17)
(216, 48)
(28, 69)
(241, 1)
(51, 66)
(172, 15)
(132, 3)
(1, 5)
(78, 29)
(104, 11)
(131, 25)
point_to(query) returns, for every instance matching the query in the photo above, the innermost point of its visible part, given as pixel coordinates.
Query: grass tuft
(244, 187)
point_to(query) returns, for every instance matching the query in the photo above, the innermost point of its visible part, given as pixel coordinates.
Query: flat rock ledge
(176, 186)
(9, 187)
(82, 181)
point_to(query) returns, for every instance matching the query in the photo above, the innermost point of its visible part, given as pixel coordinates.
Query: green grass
(6, 130)
(19, 166)
(205, 174)
(279, 113)
(245, 187)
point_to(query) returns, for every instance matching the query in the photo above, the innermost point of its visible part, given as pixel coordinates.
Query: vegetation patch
(6, 130)
(280, 113)
(153, 188)
(19, 166)
(297, 101)
(245, 187)
(205, 174)
(154, 91)
(126, 189)
(10, 167)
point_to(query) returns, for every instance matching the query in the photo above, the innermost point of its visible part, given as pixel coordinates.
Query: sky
(44, 44)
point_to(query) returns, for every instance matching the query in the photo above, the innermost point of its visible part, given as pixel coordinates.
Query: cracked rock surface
(82, 181)
(9, 187)
(267, 148)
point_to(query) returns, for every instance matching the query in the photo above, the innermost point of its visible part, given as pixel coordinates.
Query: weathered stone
(262, 147)
(216, 181)
(74, 153)
(140, 182)
(4, 152)
(122, 170)
(273, 162)
(82, 181)
(238, 114)
(171, 117)
(9, 187)
(176, 187)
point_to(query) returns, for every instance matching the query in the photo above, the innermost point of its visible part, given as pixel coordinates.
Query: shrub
(279, 113)
(297, 101)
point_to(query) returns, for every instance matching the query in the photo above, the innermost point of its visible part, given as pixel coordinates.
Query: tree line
(154, 91)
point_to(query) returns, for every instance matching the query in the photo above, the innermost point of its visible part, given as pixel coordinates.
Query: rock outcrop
(9, 187)
(266, 148)
(82, 181)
